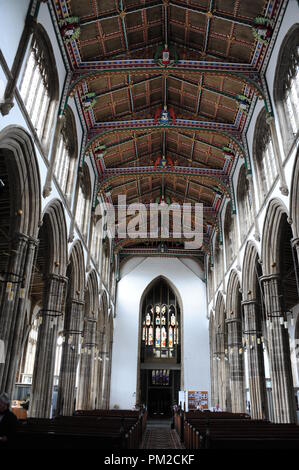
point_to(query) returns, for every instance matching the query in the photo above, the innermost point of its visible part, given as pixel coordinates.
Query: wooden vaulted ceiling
(215, 58)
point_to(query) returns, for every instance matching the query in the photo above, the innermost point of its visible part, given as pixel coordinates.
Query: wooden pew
(72, 432)
(216, 431)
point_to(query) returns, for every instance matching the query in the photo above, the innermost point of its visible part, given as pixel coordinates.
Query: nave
(113, 316)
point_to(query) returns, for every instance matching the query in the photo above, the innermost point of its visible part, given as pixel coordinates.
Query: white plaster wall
(195, 352)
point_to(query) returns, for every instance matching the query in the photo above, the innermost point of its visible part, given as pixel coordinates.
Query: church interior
(117, 332)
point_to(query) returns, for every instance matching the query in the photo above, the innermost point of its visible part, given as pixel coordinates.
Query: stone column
(279, 354)
(236, 367)
(70, 356)
(43, 374)
(107, 377)
(220, 394)
(99, 373)
(13, 306)
(283, 185)
(87, 364)
(255, 356)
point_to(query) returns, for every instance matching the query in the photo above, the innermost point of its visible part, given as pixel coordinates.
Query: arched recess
(155, 362)
(89, 349)
(47, 290)
(281, 296)
(222, 394)
(235, 349)
(20, 212)
(255, 339)
(73, 330)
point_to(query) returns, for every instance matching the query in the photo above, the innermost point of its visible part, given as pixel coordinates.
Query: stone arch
(294, 197)
(249, 271)
(76, 270)
(281, 295)
(233, 297)
(18, 150)
(54, 212)
(20, 214)
(276, 212)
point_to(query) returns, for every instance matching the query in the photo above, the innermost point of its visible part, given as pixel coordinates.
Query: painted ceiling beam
(150, 66)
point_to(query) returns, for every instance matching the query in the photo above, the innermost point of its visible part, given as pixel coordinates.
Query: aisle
(159, 435)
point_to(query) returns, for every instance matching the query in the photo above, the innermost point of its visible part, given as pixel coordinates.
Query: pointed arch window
(160, 324)
(66, 155)
(39, 84)
(286, 89)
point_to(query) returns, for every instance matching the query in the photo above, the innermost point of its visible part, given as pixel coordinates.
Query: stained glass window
(160, 323)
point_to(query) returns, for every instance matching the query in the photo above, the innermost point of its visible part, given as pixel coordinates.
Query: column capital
(270, 277)
(57, 277)
(249, 302)
(295, 241)
(233, 320)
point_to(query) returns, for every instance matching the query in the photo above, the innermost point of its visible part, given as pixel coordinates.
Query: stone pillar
(283, 185)
(220, 394)
(43, 374)
(9, 93)
(255, 356)
(284, 407)
(99, 377)
(70, 356)
(13, 306)
(236, 367)
(254, 210)
(106, 377)
(87, 364)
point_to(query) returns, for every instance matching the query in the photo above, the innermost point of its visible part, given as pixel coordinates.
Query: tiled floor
(159, 435)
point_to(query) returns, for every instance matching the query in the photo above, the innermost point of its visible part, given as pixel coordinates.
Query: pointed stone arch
(294, 197)
(272, 231)
(17, 148)
(249, 271)
(54, 212)
(20, 215)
